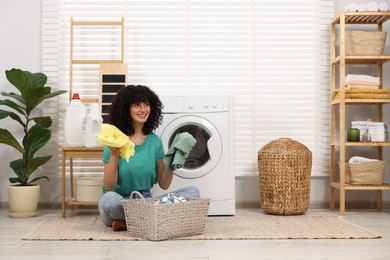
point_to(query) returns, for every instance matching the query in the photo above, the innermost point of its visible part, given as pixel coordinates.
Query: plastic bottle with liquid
(74, 122)
(92, 126)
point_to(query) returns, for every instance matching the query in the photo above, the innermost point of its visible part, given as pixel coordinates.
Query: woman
(136, 111)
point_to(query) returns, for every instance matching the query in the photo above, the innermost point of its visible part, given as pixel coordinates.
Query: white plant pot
(23, 201)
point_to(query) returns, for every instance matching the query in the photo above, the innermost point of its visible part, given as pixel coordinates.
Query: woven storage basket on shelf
(365, 172)
(284, 171)
(364, 43)
(165, 221)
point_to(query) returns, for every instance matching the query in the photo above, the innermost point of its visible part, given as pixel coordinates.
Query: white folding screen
(273, 56)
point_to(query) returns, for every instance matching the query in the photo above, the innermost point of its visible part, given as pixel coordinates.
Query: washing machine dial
(191, 106)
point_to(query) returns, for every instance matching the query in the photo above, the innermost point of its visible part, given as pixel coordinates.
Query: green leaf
(7, 138)
(36, 97)
(15, 180)
(4, 114)
(21, 80)
(38, 79)
(12, 105)
(38, 178)
(37, 137)
(16, 97)
(23, 169)
(20, 169)
(35, 163)
(44, 121)
(55, 93)
(44, 94)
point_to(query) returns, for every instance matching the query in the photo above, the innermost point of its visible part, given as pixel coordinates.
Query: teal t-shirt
(140, 173)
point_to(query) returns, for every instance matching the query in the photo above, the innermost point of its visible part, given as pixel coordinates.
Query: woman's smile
(140, 112)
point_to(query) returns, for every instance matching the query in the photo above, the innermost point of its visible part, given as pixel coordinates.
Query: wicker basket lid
(285, 146)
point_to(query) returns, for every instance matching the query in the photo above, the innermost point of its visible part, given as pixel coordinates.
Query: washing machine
(210, 164)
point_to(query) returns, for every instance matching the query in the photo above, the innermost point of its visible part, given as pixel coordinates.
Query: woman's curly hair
(119, 115)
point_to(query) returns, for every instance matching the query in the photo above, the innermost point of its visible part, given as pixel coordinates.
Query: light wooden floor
(12, 247)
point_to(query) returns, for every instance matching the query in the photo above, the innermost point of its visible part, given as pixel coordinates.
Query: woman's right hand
(115, 151)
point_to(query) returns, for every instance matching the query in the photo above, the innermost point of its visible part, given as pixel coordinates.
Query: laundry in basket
(154, 221)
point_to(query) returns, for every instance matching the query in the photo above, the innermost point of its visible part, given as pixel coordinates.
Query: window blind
(273, 56)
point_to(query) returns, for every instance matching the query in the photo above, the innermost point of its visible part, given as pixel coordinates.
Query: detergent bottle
(74, 122)
(92, 126)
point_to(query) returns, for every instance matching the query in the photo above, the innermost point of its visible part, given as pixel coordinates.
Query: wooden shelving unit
(77, 24)
(111, 67)
(339, 61)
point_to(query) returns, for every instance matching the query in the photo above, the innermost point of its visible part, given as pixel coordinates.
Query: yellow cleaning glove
(111, 136)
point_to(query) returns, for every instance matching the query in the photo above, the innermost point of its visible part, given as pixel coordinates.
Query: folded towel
(179, 151)
(383, 7)
(111, 136)
(361, 77)
(351, 85)
(351, 8)
(372, 124)
(379, 124)
(362, 82)
(368, 91)
(363, 94)
(378, 140)
(372, 7)
(362, 7)
(377, 130)
(357, 159)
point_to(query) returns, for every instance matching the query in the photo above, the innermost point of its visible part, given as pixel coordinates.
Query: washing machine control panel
(195, 104)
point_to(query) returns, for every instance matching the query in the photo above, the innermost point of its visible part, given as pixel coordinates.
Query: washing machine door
(208, 149)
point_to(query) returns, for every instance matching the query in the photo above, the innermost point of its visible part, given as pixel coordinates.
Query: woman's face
(140, 112)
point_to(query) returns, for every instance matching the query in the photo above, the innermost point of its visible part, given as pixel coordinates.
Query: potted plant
(36, 134)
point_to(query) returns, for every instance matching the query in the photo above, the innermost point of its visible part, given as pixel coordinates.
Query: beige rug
(217, 228)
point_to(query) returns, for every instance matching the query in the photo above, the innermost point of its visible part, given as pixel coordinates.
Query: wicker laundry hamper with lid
(284, 170)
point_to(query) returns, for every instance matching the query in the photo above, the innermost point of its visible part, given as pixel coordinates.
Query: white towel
(356, 159)
(378, 138)
(351, 8)
(372, 7)
(372, 124)
(383, 7)
(377, 130)
(361, 77)
(362, 7)
(375, 139)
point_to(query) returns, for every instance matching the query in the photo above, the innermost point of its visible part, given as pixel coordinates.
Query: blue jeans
(111, 207)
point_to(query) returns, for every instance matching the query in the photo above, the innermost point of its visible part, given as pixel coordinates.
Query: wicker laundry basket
(364, 43)
(284, 171)
(165, 221)
(365, 172)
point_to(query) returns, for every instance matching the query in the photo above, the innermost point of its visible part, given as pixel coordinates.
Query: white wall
(20, 47)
